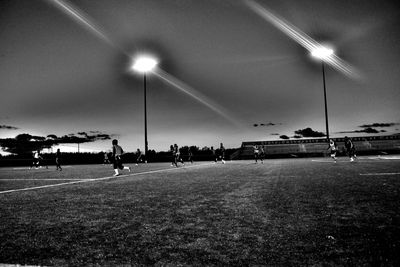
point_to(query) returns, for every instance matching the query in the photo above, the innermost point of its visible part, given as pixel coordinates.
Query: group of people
(348, 144)
(117, 152)
(219, 154)
(38, 160)
(176, 155)
(259, 153)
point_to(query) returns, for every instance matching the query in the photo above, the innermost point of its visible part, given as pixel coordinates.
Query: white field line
(381, 173)
(386, 157)
(43, 168)
(99, 179)
(369, 159)
(44, 179)
(323, 161)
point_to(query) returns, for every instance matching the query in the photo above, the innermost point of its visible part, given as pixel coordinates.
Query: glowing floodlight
(144, 64)
(322, 52)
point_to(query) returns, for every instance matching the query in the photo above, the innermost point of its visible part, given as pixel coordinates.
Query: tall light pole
(323, 53)
(144, 64)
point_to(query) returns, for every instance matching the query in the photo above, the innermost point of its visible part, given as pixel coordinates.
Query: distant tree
(308, 132)
(284, 137)
(25, 144)
(184, 150)
(194, 149)
(52, 136)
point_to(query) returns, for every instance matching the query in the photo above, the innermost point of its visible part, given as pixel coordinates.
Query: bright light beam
(194, 94)
(303, 39)
(82, 19)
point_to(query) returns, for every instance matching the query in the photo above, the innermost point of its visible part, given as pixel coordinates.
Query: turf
(295, 212)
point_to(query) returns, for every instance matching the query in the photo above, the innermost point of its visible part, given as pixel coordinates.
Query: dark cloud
(274, 134)
(81, 137)
(390, 124)
(8, 127)
(266, 124)
(308, 132)
(368, 130)
(26, 143)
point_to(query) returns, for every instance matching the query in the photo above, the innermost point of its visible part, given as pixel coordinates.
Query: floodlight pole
(146, 144)
(326, 105)
(144, 64)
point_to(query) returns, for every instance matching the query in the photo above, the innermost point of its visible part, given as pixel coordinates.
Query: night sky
(226, 73)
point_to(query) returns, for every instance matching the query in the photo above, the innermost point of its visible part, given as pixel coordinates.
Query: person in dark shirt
(222, 153)
(349, 148)
(178, 156)
(261, 154)
(190, 155)
(173, 161)
(139, 156)
(214, 154)
(117, 152)
(58, 160)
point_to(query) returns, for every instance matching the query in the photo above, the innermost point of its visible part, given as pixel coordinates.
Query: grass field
(296, 212)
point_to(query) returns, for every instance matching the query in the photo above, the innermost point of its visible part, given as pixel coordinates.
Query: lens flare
(181, 86)
(302, 38)
(83, 19)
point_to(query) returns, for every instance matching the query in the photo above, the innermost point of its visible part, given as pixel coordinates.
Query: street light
(323, 53)
(144, 64)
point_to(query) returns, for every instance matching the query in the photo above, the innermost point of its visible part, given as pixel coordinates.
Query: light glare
(322, 53)
(303, 39)
(144, 64)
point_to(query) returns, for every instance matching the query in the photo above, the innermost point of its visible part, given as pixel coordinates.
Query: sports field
(287, 212)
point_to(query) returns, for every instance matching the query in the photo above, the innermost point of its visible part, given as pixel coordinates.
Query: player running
(106, 160)
(172, 150)
(214, 154)
(261, 154)
(349, 148)
(139, 156)
(222, 153)
(58, 160)
(177, 156)
(190, 155)
(37, 158)
(333, 147)
(256, 153)
(116, 154)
